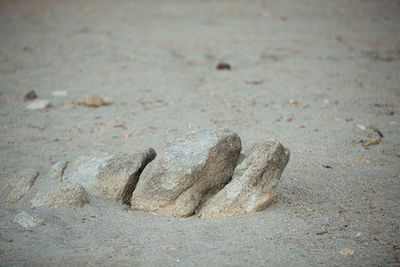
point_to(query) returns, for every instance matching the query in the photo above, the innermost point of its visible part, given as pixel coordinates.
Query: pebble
(30, 95)
(290, 119)
(95, 101)
(372, 142)
(38, 105)
(362, 127)
(347, 252)
(223, 66)
(373, 205)
(61, 93)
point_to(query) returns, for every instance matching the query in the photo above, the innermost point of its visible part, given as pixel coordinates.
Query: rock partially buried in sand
(184, 172)
(110, 175)
(68, 196)
(253, 185)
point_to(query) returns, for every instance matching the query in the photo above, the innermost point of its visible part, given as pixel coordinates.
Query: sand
(313, 74)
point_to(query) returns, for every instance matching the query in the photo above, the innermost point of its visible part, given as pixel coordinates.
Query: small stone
(253, 185)
(27, 221)
(362, 127)
(61, 93)
(347, 252)
(95, 101)
(30, 95)
(371, 142)
(20, 184)
(292, 103)
(223, 66)
(38, 105)
(373, 204)
(68, 196)
(194, 166)
(108, 101)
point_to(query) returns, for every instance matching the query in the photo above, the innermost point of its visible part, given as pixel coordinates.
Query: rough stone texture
(27, 221)
(56, 172)
(68, 196)
(48, 184)
(253, 185)
(19, 185)
(111, 175)
(184, 172)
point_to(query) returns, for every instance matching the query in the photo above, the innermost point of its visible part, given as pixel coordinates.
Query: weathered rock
(110, 175)
(183, 173)
(27, 221)
(56, 172)
(68, 196)
(19, 185)
(47, 185)
(253, 185)
(38, 105)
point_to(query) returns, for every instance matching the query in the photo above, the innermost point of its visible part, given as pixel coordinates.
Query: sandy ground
(304, 72)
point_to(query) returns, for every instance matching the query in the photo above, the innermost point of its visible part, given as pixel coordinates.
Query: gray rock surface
(56, 172)
(110, 175)
(192, 167)
(73, 195)
(27, 221)
(18, 185)
(253, 185)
